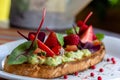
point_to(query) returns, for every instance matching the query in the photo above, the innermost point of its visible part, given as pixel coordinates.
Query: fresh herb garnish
(20, 54)
(100, 36)
(60, 38)
(72, 31)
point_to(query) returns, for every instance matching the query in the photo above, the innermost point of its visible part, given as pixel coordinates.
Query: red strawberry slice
(42, 46)
(72, 39)
(52, 40)
(87, 35)
(56, 50)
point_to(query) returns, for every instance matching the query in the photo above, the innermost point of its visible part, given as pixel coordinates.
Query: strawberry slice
(46, 49)
(52, 40)
(56, 50)
(87, 35)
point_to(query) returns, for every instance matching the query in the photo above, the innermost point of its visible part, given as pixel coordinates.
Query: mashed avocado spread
(54, 61)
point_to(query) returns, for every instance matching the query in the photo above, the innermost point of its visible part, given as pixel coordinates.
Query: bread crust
(44, 71)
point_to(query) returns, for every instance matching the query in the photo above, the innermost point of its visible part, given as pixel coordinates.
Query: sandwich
(57, 54)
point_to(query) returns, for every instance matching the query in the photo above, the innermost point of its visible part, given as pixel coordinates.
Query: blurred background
(61, 14)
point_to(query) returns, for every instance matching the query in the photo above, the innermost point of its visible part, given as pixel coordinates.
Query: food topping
(71, 48)
(52, 40)
(72, 39)
(87, 36)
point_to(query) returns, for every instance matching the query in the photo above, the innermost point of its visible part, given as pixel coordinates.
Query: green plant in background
(22, 5)
(113, 2)
(101, 6)
(18, 7)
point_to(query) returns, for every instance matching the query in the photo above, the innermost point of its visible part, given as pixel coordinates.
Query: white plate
(111, 71)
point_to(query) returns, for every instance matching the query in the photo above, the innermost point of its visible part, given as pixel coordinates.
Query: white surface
(111, 71)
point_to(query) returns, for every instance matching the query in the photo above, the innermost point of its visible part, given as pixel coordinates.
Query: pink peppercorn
(93, 67)
(108, 60)
(65, 76)
(101, 69)
(76, 73)
(99, 78)
(112, 59)
(92, 74)
(114, 62)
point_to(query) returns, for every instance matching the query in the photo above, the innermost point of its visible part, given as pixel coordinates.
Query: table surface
(8, 35)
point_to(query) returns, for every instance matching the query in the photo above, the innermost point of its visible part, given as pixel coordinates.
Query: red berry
(99, 78)
(72, 39)
(101, 69)
(92, 74)
(76, 73)
(32, 37)
(65, 76)
(93, 67)
(83, 26)
(108, 60)
(112, 59)
(114, 62)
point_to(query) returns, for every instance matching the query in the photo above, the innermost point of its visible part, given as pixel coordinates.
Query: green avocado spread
(54, 61)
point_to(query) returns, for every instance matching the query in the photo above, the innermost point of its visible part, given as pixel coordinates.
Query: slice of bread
(44, 71)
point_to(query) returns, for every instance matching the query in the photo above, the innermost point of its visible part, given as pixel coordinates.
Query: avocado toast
(58, 54)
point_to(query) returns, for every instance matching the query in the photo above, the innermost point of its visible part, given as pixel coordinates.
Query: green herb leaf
(100, 36)
(60, 38)
(18, 56)
(72, 31)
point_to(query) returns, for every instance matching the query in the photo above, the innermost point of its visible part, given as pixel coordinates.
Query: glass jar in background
(60, 13)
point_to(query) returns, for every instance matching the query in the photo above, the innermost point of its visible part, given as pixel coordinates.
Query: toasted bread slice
(44, 71)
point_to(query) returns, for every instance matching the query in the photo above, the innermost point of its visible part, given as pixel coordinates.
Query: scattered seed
(76, 73)
(108, 60)
(93, 67)
(112, 59)
(65, 76)
(99, 78)
(114, 62)
(92, 74)
(101, 69)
